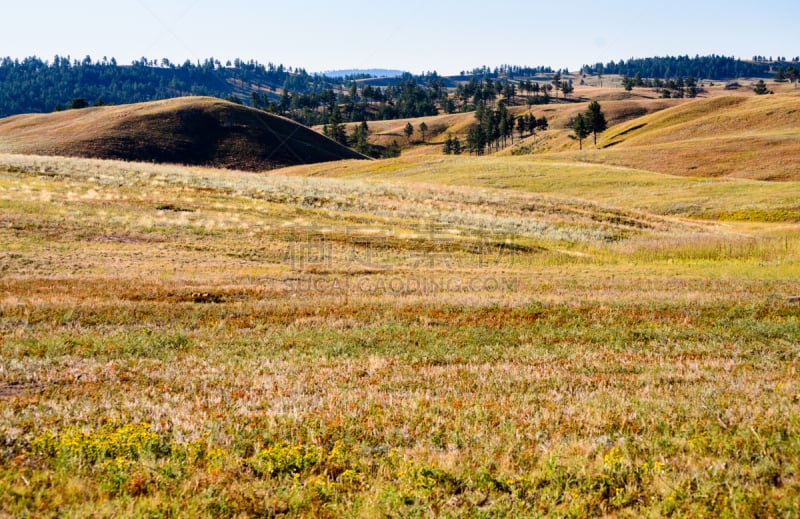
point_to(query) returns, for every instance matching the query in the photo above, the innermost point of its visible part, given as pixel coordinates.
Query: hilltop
(191, 130)
(734, 136)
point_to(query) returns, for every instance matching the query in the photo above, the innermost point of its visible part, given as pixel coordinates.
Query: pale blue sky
(444, 35)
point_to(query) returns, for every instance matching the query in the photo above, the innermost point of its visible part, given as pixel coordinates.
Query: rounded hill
(201, 131)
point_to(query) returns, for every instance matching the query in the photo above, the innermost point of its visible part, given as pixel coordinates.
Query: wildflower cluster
(122, 445)
(303, 460)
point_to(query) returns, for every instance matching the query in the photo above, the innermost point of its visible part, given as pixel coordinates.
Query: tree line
(707, 67)
(356, 103)
(33, 85)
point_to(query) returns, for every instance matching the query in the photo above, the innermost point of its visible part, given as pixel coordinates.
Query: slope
(190, 130)
(559, 115)
(743, 137)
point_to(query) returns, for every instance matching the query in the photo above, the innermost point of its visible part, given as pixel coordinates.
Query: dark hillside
(191, 130)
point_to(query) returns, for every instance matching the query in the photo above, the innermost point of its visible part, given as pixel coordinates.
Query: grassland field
(428, 336)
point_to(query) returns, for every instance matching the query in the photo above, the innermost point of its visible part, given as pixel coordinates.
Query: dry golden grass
(192, 342)
(731, 200)
(753, 137)
(721, 134)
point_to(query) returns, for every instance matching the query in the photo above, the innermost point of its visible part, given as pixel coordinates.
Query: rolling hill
(734, 136)
(723, 135)
(190, 130)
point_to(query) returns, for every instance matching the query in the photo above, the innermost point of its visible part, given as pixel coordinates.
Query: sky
(443, 35)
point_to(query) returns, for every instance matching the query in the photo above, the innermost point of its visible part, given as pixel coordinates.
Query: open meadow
(419, 337)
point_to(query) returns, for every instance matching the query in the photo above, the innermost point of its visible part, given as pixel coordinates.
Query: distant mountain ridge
(374, 72)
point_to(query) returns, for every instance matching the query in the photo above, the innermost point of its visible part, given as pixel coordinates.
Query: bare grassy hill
(734, 136)
(191, 130)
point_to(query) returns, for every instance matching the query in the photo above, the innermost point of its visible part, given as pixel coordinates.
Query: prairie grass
(184, 342)
(578, 177)
(733, 136)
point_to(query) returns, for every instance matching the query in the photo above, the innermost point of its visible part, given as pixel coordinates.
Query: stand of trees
(359, 139)
(495, 129)
(591, 122)
(678, 87)
(709, 67)
(357, 103)
(452, 146)
(32, 85)
(789, 73)
(509, 71)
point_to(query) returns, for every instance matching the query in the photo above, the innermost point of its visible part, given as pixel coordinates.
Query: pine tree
(567, 88)
(423, 128)
(360, 139)
(792, 75)
(448, 145)
(456, 146)
(691, 87)
(392, 151)
(408, 131)
(522, 125)
(335, 129)
(596, 119)
(581, 129)
(761, 88)
(542, 123)
(78, 103)
(557, 82)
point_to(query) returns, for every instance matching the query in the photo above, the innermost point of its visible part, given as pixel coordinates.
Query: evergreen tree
(627, 83)
(542, 123)
(408, 131)
(77, 104)
(557, 82)
(476, 141)
(335, 128)
(761, 88)
(448, 145)
(423, 128)
(792, 75)
(691, 87)
(522, 125)
(596, 119)
(567, 88)
(360, 139)
(392, 151)
(581, 129)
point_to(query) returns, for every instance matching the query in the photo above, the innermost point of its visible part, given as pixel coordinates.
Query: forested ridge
(702, 67)
(34, 85)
